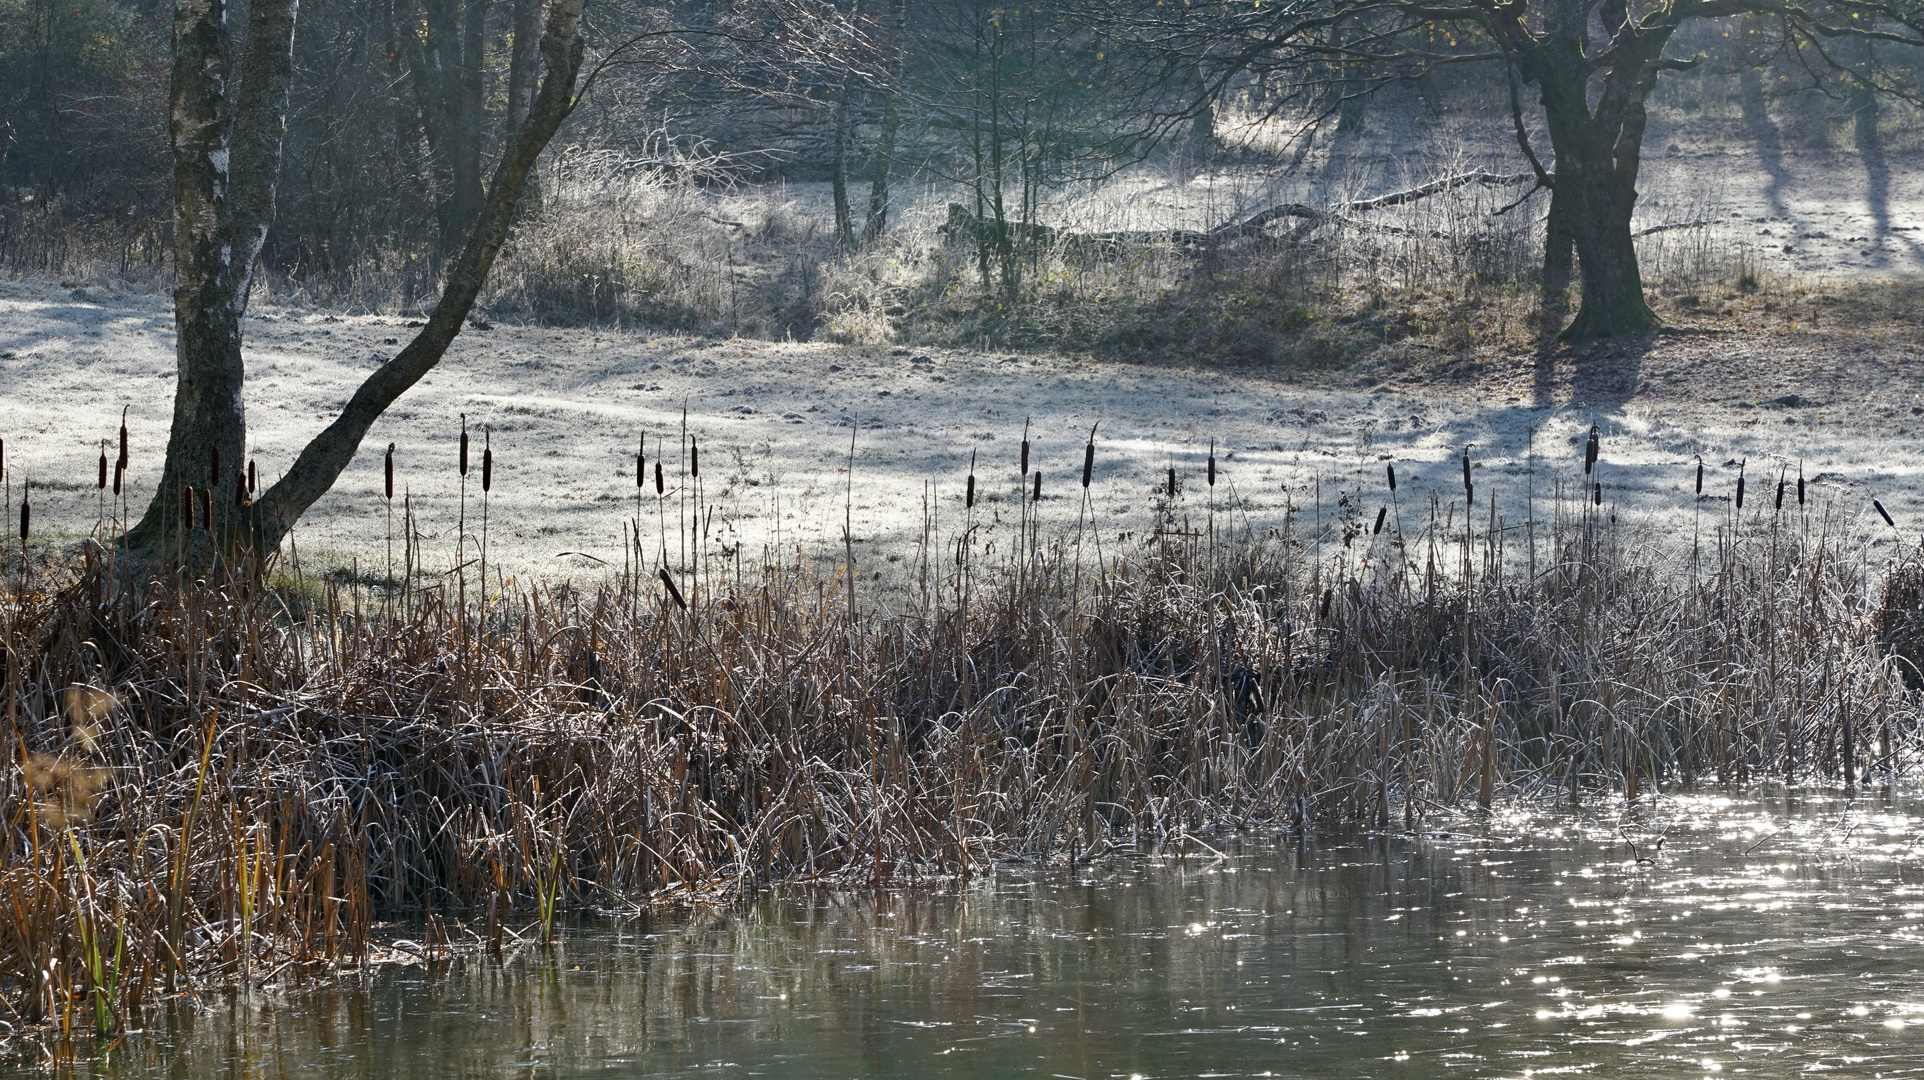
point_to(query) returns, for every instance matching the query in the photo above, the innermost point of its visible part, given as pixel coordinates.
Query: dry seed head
(1700, 474)
(1740, 485)
(1883, 513)
(123, 435)
(26, 512)
(1469, 487)
(641, 463)
(206, 509)
(187, 504)
(250, 476)
(240, 487)
(103, 465)
(660, 488)
(1800, 485)
(464, 444)
(85, 706)
(1172, 481)
(1037, 497)
(968, 499)
(1590, 451)
(1025, 446)
(694, 458)
(1212, 463)
(119, 471)
(1391, 469)
(1782, 486)
(487, 461)
(1382, 512)
(1089, 458)
(387, 473)
(1597, 493)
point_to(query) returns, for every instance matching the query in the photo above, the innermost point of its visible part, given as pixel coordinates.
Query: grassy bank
(243, 776)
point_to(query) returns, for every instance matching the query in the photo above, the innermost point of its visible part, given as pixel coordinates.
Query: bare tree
(1593, 65)
(227, 134)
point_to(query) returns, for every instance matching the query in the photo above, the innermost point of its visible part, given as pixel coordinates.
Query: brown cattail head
(1382, 512)
(1700, 474)
(1881, 512)
(487, 460)
(1328, 595)
(1469, 487)
(1037, 497)
(1172, 481)
(1089, 458)
(1391, 469)
(694, 458)
(387, 473)
(240, 488)
(26, 512)
(207, 509)
(187, 505)
(1596, 494)
(464, 444)
(1590, 451)
(3, 456)
(1025, 446)
(1212, 463)
(119, 471)
(1782, 486)
(1800, 485)
(103, 466)
(251, 476)
(123, 435)
(641, 463)
(1740, 487)
(968, 499)
(660, 488)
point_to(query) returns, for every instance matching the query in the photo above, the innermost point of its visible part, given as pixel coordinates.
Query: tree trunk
(878, 192)
(1558, 255)
(218, 233)
(226, 158)
(838, 174)
(524, 71)
(1596, 174)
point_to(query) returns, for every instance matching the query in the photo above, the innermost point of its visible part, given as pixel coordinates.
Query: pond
(1769, 934)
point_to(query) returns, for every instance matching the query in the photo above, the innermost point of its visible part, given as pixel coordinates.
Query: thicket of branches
(399, 108)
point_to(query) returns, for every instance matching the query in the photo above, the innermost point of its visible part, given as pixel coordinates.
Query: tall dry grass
(243, 775)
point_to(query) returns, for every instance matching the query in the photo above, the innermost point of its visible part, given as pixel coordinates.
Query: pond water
(1769, 935)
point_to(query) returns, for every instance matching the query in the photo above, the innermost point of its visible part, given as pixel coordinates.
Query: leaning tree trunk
(219, 230)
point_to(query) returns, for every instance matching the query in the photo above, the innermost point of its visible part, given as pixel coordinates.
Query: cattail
(660, 488)
(672, 591)
(1172, 481)
(641, 463)
(187, 504)
(1381, 513)
(240, 488)
(207, 509)
(1590, 451)
(1782, 486)
(1469, 488)
(251, 476)
(1881, 512)
(487, 461)
(1391, 469)
(968, 500)
(1037, 497)
(1700, 474)
(1089, 459)
(1025, 447)
(119, 471)
(1328, 595)
(26, 512)
(1800, 485)
(387, 474)
(103, 467)
(123, 435)
(464, 444)
(1212, 463)
(1596, 494)
(1740, 487)
(3, 456)
(694, 458)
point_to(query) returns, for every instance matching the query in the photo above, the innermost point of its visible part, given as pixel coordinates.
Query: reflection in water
(1772, 936)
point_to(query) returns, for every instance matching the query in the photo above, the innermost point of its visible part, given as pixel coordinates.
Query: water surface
(1769, 935)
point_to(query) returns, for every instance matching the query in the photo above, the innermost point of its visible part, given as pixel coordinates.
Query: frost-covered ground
(774, 421)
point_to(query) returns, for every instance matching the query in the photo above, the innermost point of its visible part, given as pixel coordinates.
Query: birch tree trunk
(224, 173)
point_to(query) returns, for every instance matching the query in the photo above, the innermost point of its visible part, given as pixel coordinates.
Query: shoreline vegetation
(243, 776)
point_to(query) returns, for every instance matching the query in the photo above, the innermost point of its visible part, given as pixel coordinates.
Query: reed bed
(249, 775)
